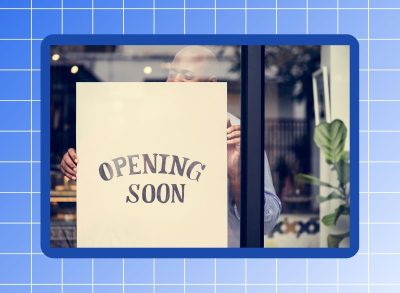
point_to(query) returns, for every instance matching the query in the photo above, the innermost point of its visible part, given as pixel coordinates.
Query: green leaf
(346, 156)
(331, 219)
(335, 239)
(343, 168)
(331, 138)
(332, 195)
(304, 178)
(343, 172)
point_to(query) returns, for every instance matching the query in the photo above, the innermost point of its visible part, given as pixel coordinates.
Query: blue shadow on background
(199, 40)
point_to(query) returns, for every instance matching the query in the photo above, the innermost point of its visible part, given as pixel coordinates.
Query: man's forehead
(192, 58)
(195, 54)
(197, 59)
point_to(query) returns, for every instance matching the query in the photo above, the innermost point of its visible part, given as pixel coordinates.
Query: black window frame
(252, 146)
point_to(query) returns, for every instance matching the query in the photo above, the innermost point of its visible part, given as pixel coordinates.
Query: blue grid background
(375, 23)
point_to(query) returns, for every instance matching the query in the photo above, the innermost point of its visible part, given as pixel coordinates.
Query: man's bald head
(193, 63)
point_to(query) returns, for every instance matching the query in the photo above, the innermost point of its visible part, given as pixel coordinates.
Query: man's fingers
(234, 134)
(233, 141)
(69, 162)
(228, 122)
(67, 171)
(232, 128)
(69, 176)
(73, 156)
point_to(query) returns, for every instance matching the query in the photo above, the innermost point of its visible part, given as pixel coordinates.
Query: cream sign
(152, 164)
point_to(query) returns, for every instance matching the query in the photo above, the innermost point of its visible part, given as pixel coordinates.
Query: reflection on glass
(293, 108)
(71, 64)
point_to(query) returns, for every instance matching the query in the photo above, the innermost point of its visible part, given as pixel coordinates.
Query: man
(197, 64)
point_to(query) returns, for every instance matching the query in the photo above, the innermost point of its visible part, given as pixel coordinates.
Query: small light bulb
(55, 57)
(147, 70)
(74, 69)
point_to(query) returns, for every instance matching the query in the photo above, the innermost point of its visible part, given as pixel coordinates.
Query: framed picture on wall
(322, 102)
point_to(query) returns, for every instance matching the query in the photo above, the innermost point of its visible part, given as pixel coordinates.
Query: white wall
(337, 60)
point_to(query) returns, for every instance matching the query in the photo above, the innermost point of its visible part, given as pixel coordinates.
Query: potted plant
(330, 139)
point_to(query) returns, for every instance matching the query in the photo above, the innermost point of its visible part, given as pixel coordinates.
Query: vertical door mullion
(252, 147)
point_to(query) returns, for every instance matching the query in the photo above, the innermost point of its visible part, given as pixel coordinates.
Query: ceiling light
(55, 57)
(147, 70)
(74, 69)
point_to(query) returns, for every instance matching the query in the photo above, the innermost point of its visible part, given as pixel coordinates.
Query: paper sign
(152, 166)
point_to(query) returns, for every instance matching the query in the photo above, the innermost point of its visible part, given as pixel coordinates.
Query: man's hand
(68, 164)
(233, 142)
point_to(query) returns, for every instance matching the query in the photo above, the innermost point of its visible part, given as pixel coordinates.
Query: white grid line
(368, 150)
(379, 192)
(20, 253)
(20, 100)
(337, 16)
(123, 275)
(215, 275)
(307, 276)
(184, 275)
(31, 146)
(19, 223)
(276, 273)
(62, 275)
(368, 101)
(380, 162)
(62, 16)
(337, 276)
(379, 223)
(92, 17)
(380, 100)
(245, 16)
(215, 16)
(92, 284)
(380, 131)
(380, 69)
(154, 275)
(20, 39)
(245, 275)
(19, 69)
(276, 16)
(123, 17)
(154, 16)
(18, 192)
(204, 284)
(19, 162)
(307, 20)
(18, 131)
(205, 8)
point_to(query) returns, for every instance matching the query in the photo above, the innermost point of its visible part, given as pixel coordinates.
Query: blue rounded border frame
(242, 40)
